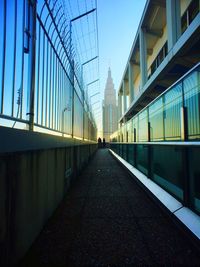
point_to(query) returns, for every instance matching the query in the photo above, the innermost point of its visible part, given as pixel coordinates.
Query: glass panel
(129, 132)
(156, 120)
(194, 175)
(142, 158)
(124, 153)
(120, 149)
(143, 126)
(131, 151)
(191, 86)
(172, 113)
(167, 169)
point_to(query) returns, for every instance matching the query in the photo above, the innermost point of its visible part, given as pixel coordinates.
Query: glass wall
(172, 112)
(191, 88)
(194, 177)
(169, 176)
(174, 167)
(143, 125)
(156, 120)
(163, 115)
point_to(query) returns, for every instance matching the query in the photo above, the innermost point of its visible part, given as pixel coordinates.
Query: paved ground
(107, 220)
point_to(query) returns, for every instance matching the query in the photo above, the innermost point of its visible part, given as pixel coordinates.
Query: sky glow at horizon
(118, 23)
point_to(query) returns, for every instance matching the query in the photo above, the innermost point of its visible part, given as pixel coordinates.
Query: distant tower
(109, 109)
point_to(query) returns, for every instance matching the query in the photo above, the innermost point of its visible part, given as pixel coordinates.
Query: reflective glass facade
(162, 120)
(174, 167)
(173, 116)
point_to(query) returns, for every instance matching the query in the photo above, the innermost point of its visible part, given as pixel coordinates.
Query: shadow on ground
(107, 220)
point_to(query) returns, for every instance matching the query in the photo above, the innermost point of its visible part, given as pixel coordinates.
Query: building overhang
(153, 20)
(183, 56)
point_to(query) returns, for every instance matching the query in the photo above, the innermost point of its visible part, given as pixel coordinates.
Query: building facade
(166, 47)
(159, 100)
(109, 109)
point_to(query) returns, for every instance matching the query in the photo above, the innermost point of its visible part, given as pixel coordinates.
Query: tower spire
(109, 73)
(109, 108)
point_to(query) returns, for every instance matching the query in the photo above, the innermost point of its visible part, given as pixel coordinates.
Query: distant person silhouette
(104, 142)
(99, 142)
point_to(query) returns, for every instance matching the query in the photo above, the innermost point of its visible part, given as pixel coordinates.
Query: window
(189, 15)
(158, 60)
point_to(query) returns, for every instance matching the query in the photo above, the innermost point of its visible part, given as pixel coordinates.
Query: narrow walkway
(107, 220)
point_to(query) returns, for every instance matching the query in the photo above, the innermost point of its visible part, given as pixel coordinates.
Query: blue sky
(118, 22)
(117, 25)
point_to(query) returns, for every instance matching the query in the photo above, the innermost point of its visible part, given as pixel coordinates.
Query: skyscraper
(109, 108)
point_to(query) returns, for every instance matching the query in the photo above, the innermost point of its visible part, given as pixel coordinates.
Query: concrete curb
(184, 215)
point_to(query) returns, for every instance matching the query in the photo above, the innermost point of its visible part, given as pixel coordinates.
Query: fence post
(31, 69)
(184, 127)
(72, 80)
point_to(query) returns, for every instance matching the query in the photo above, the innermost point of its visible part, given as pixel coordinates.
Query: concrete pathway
(108, 220)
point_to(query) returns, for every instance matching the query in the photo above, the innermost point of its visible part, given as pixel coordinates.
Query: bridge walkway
(106, 219)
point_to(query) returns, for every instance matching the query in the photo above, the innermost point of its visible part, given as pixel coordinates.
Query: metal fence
(40, 84)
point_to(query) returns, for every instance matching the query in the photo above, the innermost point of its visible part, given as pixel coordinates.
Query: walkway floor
(107, 220)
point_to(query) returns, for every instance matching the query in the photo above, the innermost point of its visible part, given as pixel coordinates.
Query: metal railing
(40, 84)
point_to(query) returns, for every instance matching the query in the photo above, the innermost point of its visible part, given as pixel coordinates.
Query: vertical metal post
(184, 117)
(184, 124)
(3, 57)
(134, 131)
(14, 59)
(63, 113)
(32, 55)
(149, 127)
(83, 113)
(72, 80)
(149, 152)
(149, 132)
(72, 77)
(83, 123)
(164, 117)
(83, 95)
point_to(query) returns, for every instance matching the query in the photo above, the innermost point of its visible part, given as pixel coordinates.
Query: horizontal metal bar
(84, 14)
(160, 143)
(92, 82)
(88, 61)
(6, 117)
(95, 94)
